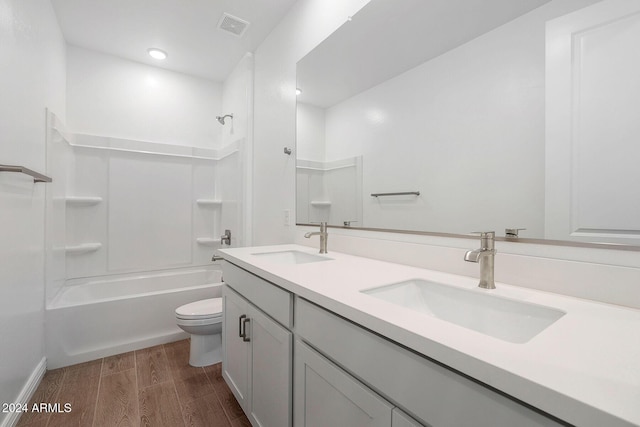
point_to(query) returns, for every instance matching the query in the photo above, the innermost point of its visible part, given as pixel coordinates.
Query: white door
(326, 396)
(271, 371)
(235, 356)
(592, 124)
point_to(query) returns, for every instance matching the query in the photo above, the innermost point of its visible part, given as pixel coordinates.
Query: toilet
(203, 320)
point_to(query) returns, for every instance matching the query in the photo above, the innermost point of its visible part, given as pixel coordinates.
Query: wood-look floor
(155, 386)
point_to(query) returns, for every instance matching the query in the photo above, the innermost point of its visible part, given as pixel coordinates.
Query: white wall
(109, 96)
(235, 171)
(32, 70)
(310, 132)
(128, 101)
(307, 24)
(465, 129)
(237, 97)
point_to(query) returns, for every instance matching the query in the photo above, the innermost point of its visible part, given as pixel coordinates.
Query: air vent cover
(232, 24)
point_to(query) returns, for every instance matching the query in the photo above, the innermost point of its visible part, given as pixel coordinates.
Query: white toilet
(203, 320)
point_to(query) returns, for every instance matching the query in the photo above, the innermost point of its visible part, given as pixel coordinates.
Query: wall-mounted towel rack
(402, 193)
(37, 177)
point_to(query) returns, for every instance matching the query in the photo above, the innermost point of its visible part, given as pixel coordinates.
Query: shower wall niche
(133, 206)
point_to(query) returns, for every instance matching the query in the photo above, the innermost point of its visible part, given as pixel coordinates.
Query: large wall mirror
(451, 116)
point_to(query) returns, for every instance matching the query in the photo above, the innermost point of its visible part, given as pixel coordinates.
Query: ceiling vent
(232, 24)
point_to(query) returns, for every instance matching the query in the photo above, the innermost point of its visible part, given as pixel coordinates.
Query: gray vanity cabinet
(235, 356)
(326, 396)
(338, 373)
(434, 394)
(257, 350)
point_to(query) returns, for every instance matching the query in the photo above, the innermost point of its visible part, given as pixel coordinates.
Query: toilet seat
(207, 309)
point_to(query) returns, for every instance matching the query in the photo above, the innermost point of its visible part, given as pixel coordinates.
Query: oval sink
(502, 318)
(291, 257)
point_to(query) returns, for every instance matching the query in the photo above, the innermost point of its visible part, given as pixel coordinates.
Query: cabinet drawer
(271, 299)
(430, 392)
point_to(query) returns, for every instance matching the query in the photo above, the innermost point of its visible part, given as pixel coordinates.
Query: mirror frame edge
(549, 242)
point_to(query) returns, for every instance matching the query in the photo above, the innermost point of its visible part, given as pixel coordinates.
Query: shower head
(221, 118)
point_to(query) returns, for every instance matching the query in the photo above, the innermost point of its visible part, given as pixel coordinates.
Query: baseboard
(27, 392)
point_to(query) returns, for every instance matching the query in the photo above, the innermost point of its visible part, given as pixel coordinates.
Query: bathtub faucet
(225, 239)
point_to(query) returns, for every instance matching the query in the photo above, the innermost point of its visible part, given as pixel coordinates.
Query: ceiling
(185, 29)
(386, 38)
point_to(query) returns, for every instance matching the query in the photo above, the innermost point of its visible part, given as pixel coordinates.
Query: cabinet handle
(240, 331)
(245, 338)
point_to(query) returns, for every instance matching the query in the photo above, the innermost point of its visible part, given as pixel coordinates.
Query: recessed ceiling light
(157, 53)
(298, 91)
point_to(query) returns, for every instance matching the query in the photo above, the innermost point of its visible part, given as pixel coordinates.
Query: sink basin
(291, 257)
(502, 318)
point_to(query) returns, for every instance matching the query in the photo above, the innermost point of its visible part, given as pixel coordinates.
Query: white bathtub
(98, 317)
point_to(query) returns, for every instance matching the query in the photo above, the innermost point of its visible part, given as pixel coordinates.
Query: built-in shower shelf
(321, 203)
(207, 241)
(82, 200)
(83, 248)
(209, 202)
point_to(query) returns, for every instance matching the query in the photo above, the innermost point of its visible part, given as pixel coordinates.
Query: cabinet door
(235, 356)
(270, 371)
(400, 419)
(326, 396)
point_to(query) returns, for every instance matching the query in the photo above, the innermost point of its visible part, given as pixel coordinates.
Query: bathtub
(98, 317)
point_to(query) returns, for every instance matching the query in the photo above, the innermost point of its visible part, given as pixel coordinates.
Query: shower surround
(131, 227)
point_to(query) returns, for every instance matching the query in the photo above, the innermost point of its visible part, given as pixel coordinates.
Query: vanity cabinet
(338, 373)
(327, 396)
(433, 393)
(257, 349)
(235, 351)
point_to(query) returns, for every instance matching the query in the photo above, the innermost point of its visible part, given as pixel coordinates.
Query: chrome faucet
(486, 257)
(323, 237)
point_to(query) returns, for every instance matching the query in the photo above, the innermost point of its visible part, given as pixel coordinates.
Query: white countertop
(583, 369)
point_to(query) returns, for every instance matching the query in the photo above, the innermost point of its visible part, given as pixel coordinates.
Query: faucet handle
(225, 239)
(487, 239)
(512, 232)
(323, 226)
(485, 234)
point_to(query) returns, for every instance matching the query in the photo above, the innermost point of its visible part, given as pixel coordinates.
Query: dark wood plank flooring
(155, 386)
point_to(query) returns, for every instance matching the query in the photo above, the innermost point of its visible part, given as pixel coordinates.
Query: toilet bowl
(203, 320)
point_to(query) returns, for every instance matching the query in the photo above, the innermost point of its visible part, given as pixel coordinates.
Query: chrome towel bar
(403, 193)
(37, 177)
